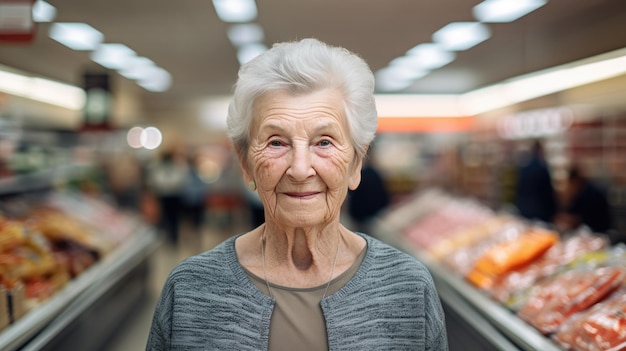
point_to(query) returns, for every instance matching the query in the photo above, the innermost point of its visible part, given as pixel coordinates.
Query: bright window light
(113, 56)
(429, 56)
(235, 11)
(43, 11)
(459, 36)
(241, 34)
(76, 36)
(249, 52)
(499, 11)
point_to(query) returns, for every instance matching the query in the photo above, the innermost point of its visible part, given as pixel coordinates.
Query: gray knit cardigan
(209, 303)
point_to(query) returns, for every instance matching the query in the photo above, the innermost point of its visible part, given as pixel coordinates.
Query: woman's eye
(275, 143)
(325, 142)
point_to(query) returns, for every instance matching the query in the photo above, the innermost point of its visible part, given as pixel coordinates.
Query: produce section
(71, 263)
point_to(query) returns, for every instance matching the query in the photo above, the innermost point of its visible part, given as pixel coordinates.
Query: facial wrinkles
(300, 128)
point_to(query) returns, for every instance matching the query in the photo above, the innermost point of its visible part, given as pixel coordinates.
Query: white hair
(301, 67)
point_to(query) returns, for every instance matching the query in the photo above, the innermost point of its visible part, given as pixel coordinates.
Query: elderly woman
(301, 120)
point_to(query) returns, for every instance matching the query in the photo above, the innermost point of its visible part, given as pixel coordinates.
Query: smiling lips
(302, 195)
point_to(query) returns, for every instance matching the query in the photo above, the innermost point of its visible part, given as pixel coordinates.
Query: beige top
(297, 321)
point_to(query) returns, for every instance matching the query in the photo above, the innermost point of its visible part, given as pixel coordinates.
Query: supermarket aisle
(133, 332)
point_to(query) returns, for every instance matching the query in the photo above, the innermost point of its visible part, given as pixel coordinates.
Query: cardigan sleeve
(159, 338)
(436, 333)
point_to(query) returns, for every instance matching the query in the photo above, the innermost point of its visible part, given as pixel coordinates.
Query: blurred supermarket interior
(96, 95)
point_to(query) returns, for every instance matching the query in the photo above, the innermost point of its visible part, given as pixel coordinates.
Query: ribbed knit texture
(209, 303)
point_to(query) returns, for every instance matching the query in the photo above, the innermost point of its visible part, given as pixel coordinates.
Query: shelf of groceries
(538, 288)
(60, 253)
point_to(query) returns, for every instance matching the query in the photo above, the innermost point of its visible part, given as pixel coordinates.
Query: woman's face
(301, 157)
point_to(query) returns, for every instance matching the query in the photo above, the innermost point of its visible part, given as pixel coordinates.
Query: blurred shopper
(368, 199)
(194, 195)
(586, 204)
(301, 119)
(256, 211)
(166, 179)
(535, 197)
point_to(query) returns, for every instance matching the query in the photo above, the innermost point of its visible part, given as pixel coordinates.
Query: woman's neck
(303, 250)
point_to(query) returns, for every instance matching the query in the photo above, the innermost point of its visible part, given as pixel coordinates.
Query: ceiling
(186, 38)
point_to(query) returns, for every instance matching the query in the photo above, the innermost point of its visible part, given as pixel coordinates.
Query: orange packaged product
(506, 256)
(560, 254)
(557, 299)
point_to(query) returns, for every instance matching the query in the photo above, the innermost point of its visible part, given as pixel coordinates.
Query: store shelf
(478, 311)
(41, 180)
(48, 320)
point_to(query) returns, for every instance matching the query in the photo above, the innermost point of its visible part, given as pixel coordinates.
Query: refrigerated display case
(454, 237)
(84, 312)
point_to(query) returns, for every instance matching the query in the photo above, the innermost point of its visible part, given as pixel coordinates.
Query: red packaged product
(601, 328)
(555, 300)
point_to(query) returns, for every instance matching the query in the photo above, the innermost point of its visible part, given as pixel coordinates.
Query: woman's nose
(300, 167)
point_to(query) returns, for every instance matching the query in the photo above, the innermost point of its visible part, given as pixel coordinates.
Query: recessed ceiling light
(76, 36)
(459, 36)
(429, 56)
(113, 56)
(138, 67)
(241, 34)
(505, 10)
(156, 79)
(397, 77)
(249, 52)
(43, 11)
(235, 11)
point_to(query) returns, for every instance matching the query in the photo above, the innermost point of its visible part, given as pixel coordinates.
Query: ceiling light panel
(138, 67)
(249, 52)
(113, 56)
(242, 34)
(500, 11)
(235, 11)
(429, 56)
(76, 36)
(43, 11)
(459, 36)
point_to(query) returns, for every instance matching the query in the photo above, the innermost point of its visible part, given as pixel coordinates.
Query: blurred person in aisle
(586, 204)
(302, 117)
(370, 198)
(194, 194)
(535, 197)
(124, 180)
(255, 206)
(166, 179)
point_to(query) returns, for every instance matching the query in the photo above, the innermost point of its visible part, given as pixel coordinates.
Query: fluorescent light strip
(42, 90)
(500, 11)
(459, 36)
(113, 56)
(235, 11)
(241, 34)
(76, 36)
(545, 82)
(43, 11)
